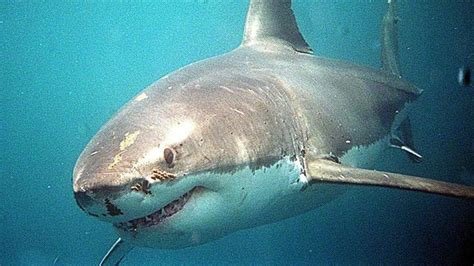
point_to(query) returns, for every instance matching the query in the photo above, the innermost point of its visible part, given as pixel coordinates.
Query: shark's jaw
(156, 218)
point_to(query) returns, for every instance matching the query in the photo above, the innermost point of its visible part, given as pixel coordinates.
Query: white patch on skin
(241, 147)
(141, 97)
(301, 178)
(255, 29)
(237, 111)
(153, 155)
(78, 173)
(179, 133)
(227, 89)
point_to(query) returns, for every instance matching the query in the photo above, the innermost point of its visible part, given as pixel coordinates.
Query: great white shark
(262, 133)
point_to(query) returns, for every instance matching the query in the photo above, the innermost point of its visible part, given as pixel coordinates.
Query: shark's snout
(83, 199)
(99, 201)
(135, 205)
(131, 201)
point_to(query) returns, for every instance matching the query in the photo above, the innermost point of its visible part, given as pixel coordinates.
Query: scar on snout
(129, 139)
(117, 159)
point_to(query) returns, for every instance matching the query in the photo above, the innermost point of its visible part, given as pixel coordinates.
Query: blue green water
(67, 66)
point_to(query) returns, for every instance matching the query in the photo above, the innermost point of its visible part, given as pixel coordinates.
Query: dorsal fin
(273, 21)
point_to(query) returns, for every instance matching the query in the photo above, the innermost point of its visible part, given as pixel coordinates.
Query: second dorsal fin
(273, 21)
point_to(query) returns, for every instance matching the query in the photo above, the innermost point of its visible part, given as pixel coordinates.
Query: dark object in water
(464, 76)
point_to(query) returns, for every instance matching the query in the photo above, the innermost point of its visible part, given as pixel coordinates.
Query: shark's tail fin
(389, 39)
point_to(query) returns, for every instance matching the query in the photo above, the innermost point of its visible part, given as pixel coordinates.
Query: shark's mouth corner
(158, 216)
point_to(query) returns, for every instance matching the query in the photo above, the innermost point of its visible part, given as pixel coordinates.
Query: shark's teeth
(157, 216)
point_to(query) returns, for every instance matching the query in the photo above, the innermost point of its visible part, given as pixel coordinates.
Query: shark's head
(174, 167)
(144, 167)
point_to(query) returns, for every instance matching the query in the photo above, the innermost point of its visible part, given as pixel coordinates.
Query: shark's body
(232, 142)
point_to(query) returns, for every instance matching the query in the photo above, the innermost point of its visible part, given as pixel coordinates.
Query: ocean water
(67, 66)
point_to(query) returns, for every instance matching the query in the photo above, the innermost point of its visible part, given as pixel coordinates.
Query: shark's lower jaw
(157, 217)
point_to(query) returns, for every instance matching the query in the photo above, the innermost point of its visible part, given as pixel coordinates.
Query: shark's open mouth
(158, 216)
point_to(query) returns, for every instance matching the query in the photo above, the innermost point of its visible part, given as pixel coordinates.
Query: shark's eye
(168, 154)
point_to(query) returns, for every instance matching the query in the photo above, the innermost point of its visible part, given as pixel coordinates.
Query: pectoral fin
(116, 253)
(322, 170)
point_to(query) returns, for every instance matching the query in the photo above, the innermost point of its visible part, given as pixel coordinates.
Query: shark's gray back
(339, 105)
(273, 103)
(329, 106)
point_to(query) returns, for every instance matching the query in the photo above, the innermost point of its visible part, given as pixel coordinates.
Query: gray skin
(240, 103)
(294, 109)
(268, 105)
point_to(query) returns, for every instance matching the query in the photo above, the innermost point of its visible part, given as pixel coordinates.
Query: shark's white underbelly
(237, 200)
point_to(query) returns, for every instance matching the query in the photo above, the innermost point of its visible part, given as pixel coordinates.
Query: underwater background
(67, 66)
